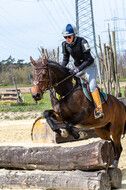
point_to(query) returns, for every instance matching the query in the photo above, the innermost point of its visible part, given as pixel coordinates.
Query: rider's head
(69, 33)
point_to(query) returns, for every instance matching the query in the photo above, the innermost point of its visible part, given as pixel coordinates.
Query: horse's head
(41, 77)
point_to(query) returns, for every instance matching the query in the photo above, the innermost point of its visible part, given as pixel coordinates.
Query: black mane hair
(54, 63)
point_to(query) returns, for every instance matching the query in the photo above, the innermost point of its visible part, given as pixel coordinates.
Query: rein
(56, 84)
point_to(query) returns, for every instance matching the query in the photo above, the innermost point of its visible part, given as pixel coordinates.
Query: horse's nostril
(36, 96)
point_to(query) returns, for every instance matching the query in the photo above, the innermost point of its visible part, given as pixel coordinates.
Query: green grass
(18, 85)
(122, 80)
(30, 105)
(27, 105)
(122, 91)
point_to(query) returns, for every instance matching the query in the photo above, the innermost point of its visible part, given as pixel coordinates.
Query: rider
(84, 63)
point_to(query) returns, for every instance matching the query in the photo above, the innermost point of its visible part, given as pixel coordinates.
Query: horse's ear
(44, 60)
(32, 61)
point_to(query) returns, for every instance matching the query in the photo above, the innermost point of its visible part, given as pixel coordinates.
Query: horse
(73, 107)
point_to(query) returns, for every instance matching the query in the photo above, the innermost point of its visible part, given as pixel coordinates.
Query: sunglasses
(67, 37)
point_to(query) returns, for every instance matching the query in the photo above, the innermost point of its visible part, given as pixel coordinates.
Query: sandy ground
(18, 133)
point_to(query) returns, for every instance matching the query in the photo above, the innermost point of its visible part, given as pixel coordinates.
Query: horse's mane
(60, 67)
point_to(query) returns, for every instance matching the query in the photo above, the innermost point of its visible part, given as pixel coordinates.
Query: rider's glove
(74, 71)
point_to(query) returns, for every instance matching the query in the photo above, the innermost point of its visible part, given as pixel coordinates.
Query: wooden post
(46, 53)
(115, 63)
(112, 55)
(16, 88)
(106, 67)
(58, 54)
(54, 55)
(109, 71)
(102, 64)
(42, 50)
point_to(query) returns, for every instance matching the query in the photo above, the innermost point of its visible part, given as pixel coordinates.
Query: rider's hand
(74, 71)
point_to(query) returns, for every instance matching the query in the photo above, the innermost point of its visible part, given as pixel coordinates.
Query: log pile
(81, 167)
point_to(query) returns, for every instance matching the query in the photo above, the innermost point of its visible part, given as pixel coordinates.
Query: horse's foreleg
(75, 134)
(69, 128)
(48, 114)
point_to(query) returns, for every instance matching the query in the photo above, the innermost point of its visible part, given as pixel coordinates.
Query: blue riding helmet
(69, 30)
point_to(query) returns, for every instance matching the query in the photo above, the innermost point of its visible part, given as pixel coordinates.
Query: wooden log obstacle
(42, 133)
(55, 167)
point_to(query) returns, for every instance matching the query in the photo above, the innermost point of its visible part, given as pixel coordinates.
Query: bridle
(37, 75)
(37, 82)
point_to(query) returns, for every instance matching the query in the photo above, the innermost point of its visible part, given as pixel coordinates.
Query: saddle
(86, 91)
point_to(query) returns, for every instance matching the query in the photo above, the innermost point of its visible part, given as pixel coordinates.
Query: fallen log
(97, 155)
(42, 133)
(72, 180)
(115, 175)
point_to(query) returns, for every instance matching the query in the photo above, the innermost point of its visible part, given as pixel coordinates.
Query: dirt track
(18, 132)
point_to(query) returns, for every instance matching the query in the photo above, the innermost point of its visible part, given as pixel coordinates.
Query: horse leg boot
(62, 132)
(98, 113)
(69, 128)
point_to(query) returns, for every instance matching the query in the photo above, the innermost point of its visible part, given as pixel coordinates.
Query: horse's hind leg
(116, 132)
(116, 135)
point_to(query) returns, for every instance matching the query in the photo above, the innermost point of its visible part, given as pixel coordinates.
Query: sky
(27, 25)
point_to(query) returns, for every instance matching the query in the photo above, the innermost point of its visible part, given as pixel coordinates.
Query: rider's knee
(92, 88)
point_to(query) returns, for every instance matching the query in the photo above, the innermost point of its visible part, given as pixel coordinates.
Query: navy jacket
(79, 50)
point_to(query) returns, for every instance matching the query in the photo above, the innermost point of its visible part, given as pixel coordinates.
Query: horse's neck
(60, 85)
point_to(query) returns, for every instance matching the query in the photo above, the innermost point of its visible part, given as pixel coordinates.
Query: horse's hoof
(115, 164)
(64, 133)
(82, 135)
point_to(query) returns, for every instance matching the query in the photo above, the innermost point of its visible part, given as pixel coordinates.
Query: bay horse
(74, 108)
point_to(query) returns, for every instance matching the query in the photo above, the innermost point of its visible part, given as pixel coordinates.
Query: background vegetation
(27, 105)
(22, 71)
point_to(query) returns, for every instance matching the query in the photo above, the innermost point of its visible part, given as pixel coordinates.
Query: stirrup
(98, 114)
